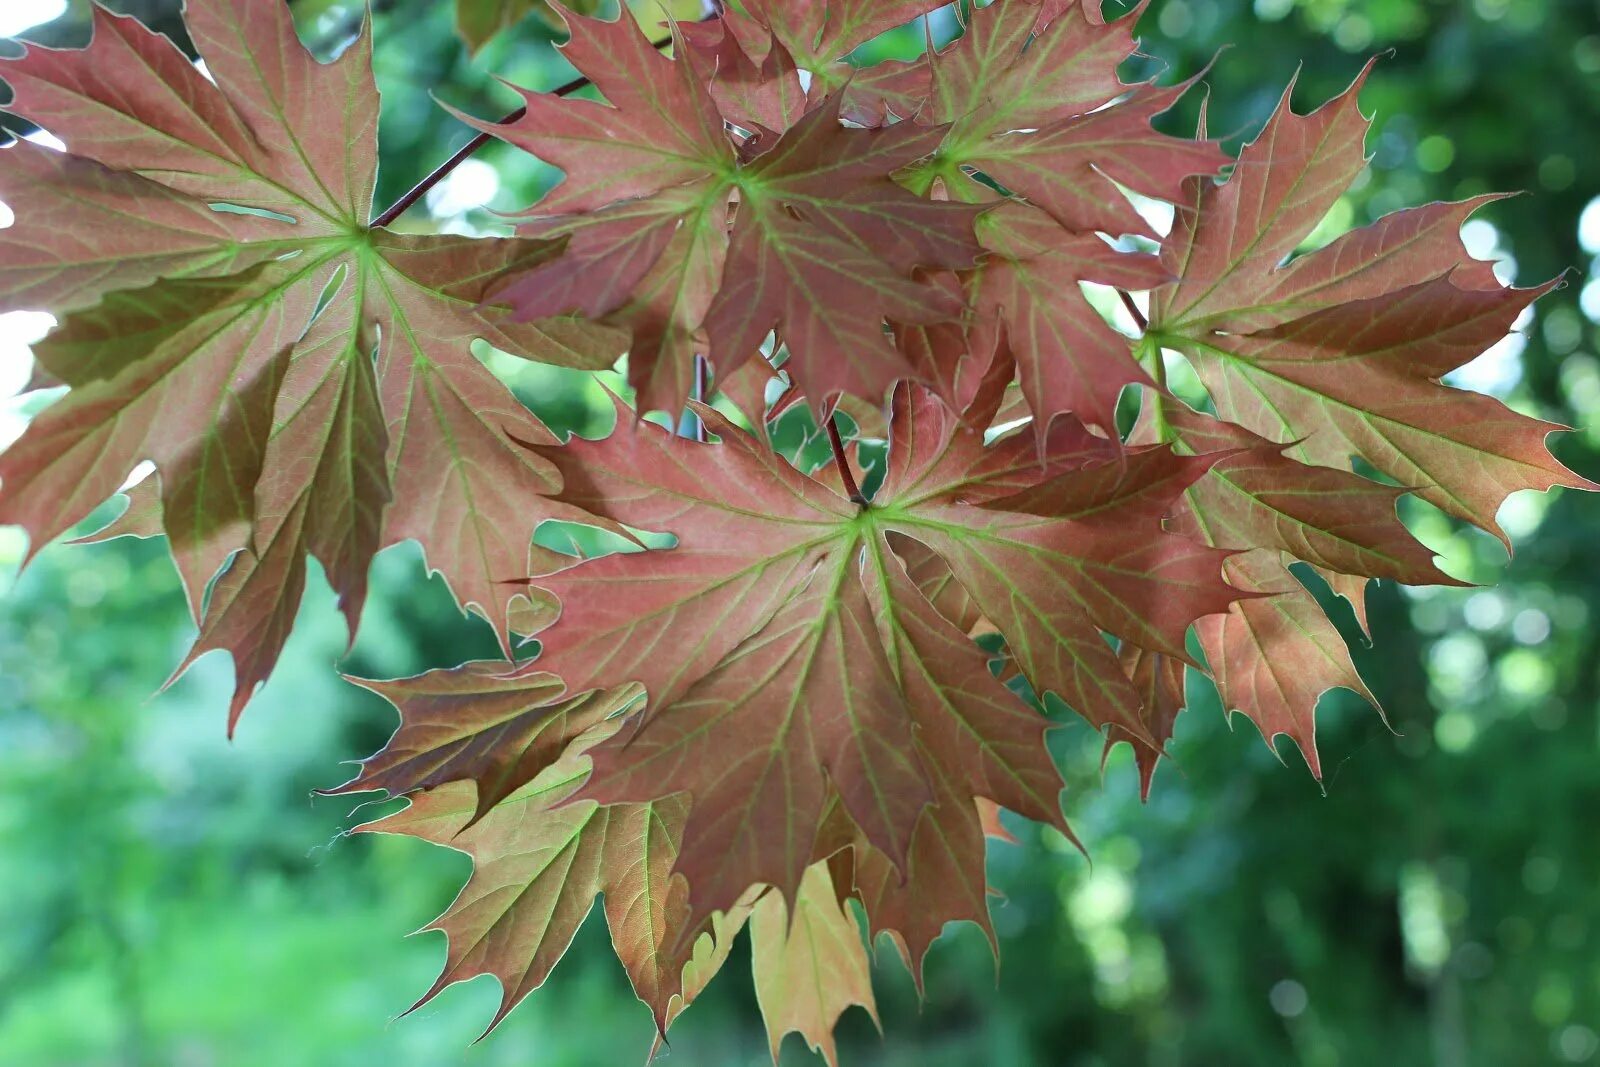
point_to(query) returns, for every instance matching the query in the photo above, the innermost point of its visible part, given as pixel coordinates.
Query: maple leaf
(489, 763)
(789, 707)
(1033, 105)
(819, 32)
(1272, 658)
(810, 966)
(538, 865)
(819, 221)
(971, 736)
(1313, 361)
(302, 382)
(1339, 352)
(1258, 497)
(823, 248)
(803, 653)
(1027, 109)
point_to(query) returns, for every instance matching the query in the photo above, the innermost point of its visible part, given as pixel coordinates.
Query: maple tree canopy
(787, 709)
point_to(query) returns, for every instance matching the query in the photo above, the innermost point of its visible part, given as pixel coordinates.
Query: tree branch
(442, 171)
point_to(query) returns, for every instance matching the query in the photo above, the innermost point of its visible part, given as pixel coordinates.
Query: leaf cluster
(831, 683)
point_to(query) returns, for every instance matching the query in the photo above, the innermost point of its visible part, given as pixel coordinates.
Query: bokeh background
(169, 898)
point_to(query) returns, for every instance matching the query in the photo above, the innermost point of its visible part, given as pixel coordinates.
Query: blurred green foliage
(173, 899)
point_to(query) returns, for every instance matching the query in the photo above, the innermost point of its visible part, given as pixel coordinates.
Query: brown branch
(845, 474)
(442, 171)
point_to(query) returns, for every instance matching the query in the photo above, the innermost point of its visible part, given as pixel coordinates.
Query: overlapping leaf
(766, 93)
(303, 383)
(810, 964)
(475, 724)
(787, 708)
(1034, 106)
(697, 248)
(1026, 104)
(803, 654)
(821, 696)
(824, 246)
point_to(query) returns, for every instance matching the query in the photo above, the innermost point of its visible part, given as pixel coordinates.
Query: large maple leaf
(826, 241)
(807, 667)
(490, 761)
(303, 383)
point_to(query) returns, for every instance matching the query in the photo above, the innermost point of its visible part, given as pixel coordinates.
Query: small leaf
(1274, 657)
(810, 967)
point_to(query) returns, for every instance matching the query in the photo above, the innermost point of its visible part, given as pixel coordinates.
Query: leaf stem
(1150, 352)
(702, 390)
(442, 171)
(1133, 309)
(846, 475)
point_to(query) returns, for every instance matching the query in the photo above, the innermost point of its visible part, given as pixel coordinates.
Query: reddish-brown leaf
(1028, 110)
(473, 723)
(1027, 292)
(1257, 497)
(823, 248)
(755, 95)
(786, 653)
(1273, 657)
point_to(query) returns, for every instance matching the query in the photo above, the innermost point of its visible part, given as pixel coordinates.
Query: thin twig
(845, 474)
(1133, 309)
(442, 171)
